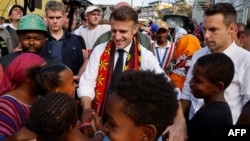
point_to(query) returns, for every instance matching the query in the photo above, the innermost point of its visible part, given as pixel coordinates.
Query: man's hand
(178, 130)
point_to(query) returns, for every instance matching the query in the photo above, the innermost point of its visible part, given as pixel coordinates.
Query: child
(52, 117)
(53, 78)
(57, 78)
(142, 105)
(212, 74)
(16, 88)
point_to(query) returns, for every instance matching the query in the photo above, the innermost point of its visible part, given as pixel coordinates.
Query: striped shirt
(13, 115)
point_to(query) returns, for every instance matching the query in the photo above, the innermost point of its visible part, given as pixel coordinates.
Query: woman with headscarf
(178, 33)
(16, 93)
(185, 47)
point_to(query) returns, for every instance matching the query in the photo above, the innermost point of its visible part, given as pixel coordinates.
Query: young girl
(52, 117)
(53, 78)
(58, 78)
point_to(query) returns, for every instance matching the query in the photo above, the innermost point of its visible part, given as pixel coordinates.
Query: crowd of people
(118, 80)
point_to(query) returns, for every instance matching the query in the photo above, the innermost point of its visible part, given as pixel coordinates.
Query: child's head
(212, 74)
(52, 116)
(53, 78)
(142, 105)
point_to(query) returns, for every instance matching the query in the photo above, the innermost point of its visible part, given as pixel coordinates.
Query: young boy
(142, 105)
(212, 74)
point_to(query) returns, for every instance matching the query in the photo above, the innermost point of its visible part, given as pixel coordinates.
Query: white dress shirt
(164, 54)
(88, 79)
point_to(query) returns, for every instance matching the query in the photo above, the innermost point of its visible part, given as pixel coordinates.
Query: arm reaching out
(178, 130)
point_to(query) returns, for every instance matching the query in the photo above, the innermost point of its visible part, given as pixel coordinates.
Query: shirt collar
(230, 49)
(127, 48)
(11, 25)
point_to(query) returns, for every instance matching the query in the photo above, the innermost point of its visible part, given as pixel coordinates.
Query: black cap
(19, 6)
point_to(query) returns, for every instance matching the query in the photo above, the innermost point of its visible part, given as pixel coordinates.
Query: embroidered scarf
(106, 65)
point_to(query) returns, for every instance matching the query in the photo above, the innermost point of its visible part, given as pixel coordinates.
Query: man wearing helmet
(32, 33)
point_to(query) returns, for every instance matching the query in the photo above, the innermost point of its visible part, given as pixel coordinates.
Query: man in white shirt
(162, 47)
(94, 29)
(83, 25)
(96, 82)
(219, 25)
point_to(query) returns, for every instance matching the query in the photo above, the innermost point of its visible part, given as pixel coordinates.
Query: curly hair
(218, 68)
(142, 90)
(226, 9)
(52, 116)
(46, 78)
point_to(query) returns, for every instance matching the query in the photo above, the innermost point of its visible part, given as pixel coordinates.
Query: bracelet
(100, 132)
(85, 124)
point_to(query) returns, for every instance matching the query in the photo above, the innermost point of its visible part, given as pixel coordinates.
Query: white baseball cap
(92, 8)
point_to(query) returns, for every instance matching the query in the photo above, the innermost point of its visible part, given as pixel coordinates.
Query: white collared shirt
(88, 79)
(237, 93)
(164, 54)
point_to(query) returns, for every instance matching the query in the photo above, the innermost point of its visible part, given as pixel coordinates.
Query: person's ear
(242, 37)
(135, 29)
(233, 28)
(219, 87)
(149, 133)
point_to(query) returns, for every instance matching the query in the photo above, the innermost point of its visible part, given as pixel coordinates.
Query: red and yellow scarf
(104, 77)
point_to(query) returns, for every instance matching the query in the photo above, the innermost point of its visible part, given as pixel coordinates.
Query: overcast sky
(113, 2)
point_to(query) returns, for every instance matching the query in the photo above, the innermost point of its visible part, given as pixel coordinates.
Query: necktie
(119, 64)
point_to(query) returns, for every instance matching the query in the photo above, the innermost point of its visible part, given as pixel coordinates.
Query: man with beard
(32, 33)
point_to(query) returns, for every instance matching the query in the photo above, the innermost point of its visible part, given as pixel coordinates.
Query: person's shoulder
(241, 50)
(240, 53)
(145, 51)
(99, 48)
(201, 52)
(218, 106)
(104, 26)
(6, 99)
(72, 37)
(9, 56)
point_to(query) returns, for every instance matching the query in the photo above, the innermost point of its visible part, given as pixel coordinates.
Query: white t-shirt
(78, 30)
(90, 36)
(237, 93)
